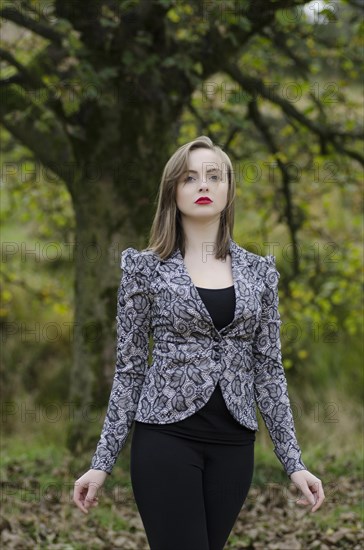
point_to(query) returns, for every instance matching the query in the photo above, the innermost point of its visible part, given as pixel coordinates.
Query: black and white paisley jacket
(190, 355)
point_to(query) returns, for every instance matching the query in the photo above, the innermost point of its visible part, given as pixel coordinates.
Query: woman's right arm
(85, 489)
(133, 326)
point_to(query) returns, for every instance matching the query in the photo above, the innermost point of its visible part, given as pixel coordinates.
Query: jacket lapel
(175, 274)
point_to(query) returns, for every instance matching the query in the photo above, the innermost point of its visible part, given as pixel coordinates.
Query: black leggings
(188, 493)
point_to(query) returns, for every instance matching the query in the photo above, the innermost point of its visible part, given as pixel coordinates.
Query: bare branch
(301, 65)
(12, 14)
(7, 56)
(254, 85)
(24, 76)
(259, 122)
(230, 136)
(14, 79)
(49, 142)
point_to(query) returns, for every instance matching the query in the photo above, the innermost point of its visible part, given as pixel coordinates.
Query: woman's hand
(311, 488)
(86, 487)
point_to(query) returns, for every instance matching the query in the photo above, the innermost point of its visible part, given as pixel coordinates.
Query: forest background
(95, 97)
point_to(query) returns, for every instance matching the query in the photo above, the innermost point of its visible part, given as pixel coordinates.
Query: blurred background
(95, 98)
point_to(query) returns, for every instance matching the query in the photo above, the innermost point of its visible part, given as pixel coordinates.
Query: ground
(38, 511)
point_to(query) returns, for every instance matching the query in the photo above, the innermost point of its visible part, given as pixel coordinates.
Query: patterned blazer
(190, 356)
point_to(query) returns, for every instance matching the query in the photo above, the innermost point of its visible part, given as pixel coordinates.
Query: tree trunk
(96, 254)
(114, 204)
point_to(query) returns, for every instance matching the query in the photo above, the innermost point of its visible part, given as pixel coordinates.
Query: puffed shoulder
(271, 260)
(128, 259)
(272, 274)
(134, 261)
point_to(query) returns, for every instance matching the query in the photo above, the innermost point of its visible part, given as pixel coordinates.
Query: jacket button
(216, 348)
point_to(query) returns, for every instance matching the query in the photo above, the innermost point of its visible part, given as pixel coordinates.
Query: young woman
(212, 309)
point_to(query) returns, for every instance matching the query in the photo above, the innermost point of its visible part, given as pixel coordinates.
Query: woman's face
(207, 177)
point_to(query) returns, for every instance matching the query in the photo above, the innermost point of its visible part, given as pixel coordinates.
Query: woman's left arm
(271, 392)
(311, 487)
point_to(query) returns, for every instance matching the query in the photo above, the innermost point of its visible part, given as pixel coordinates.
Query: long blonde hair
(166, 233)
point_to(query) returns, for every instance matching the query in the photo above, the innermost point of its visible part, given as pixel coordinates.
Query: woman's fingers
(86, 488)
(308, 495)
(303, 501)
(311, 487)
(84, 495)
(313, 494)
(91, 498)
(79, 496)
(319, 494)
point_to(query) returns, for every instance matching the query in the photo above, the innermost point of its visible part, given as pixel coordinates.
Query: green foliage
(297, 166)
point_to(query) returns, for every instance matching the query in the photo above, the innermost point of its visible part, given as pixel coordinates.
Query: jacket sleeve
(132, 324)
(270, 384)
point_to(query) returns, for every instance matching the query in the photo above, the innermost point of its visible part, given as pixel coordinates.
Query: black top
(213, 423)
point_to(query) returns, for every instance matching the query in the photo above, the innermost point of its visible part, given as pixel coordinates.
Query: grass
(335, 517)
(109, 520)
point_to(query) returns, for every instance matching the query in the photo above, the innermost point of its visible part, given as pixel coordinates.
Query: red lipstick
(203, 200)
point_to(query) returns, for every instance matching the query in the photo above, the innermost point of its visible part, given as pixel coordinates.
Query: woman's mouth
(203, 200)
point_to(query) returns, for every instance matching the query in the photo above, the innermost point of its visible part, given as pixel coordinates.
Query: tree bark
(96, 260)
(113, 204)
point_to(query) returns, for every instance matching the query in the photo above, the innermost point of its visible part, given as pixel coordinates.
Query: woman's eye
(190, 178)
